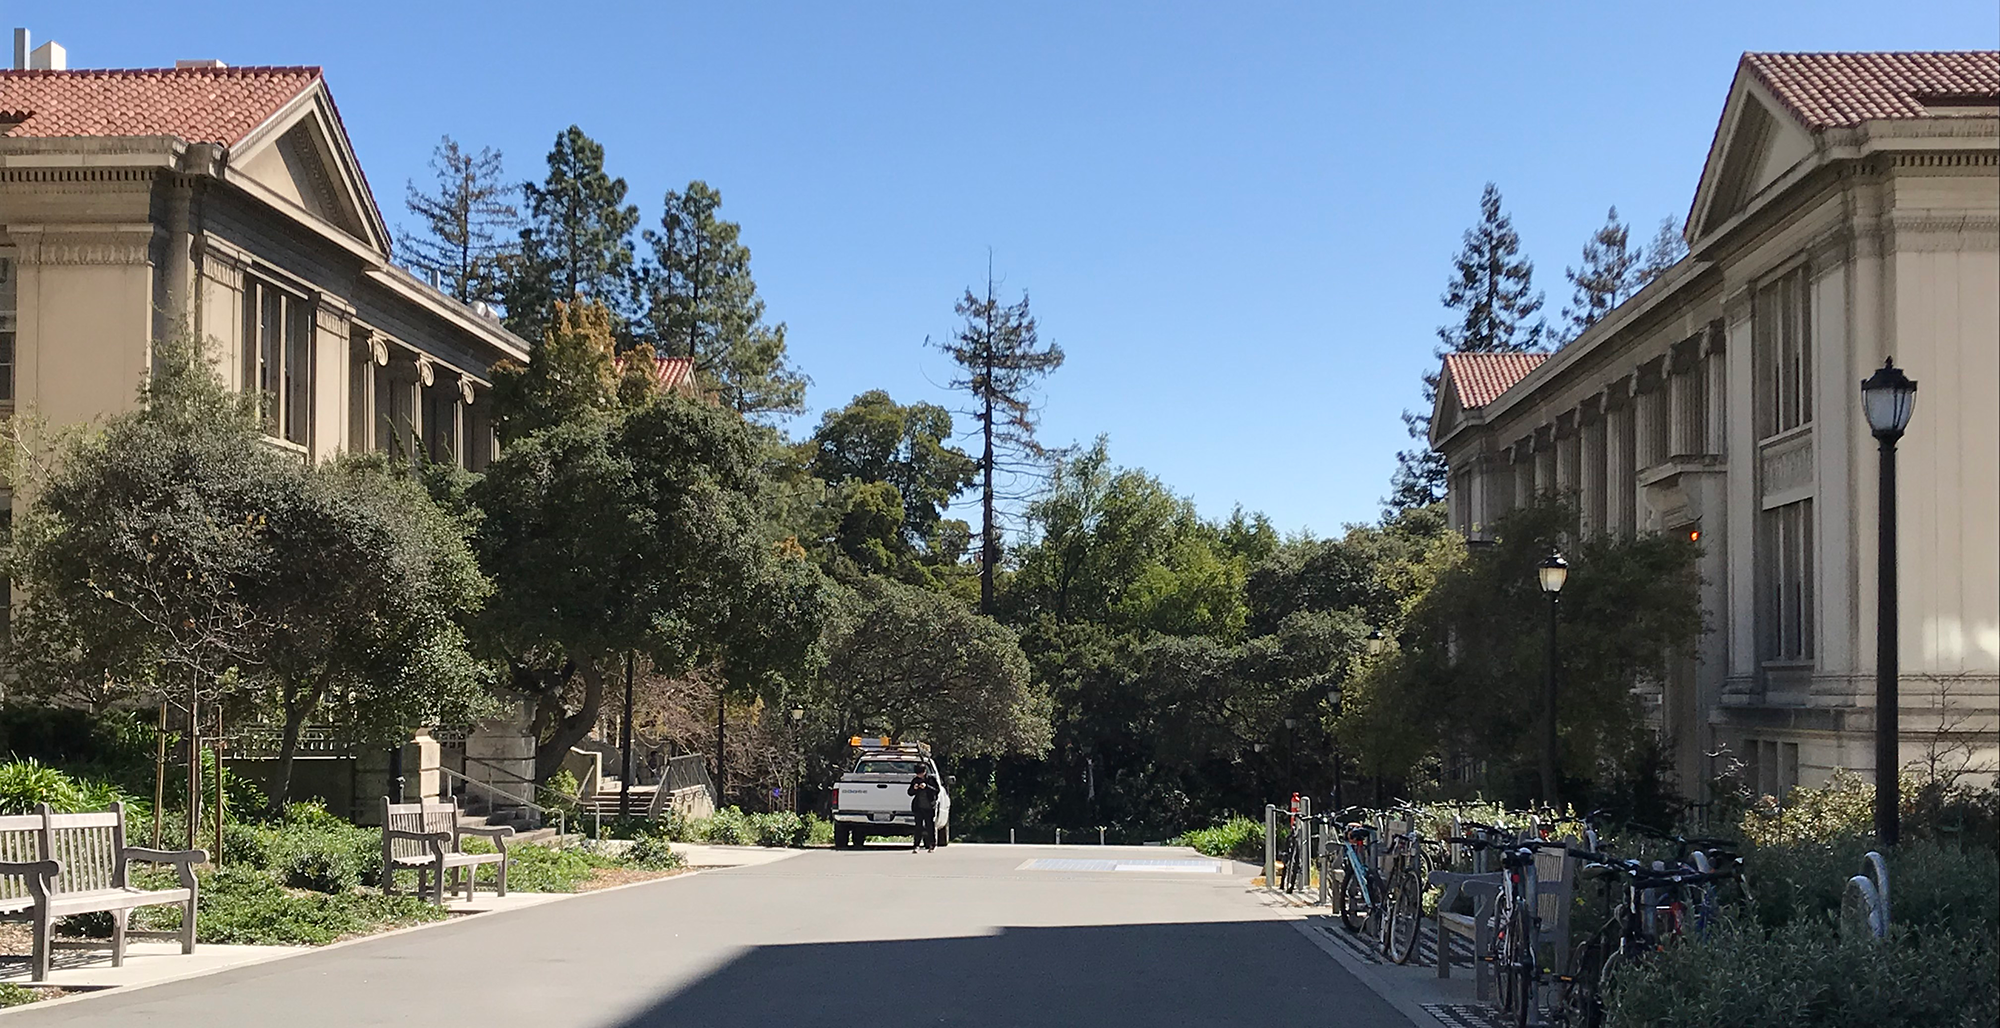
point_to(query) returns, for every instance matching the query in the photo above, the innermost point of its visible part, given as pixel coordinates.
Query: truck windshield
(887, 767)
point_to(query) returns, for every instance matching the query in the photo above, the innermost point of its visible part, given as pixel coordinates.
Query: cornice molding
(83, 245)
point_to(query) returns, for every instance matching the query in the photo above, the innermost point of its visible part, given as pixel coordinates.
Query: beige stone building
(1849, 212)
(228, 200)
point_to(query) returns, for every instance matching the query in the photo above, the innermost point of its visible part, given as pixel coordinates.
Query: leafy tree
(1608, 276)
(372, 583)
(467, 222)
(571, 374)
(874, 439)
(912, 663)
(136, 549)
(1666, 250)
(636, 531)
(1000, 357)
(704, 305)
(176, 552)
(577, 243)
(1465, 676)
(1492, 289)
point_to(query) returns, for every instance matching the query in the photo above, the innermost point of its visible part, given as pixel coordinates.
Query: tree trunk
(989, 547)
(297, 710)
(569, 728)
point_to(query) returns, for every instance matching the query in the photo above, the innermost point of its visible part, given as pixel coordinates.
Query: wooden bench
(54, 865)
(1483, 890)
(425, 837)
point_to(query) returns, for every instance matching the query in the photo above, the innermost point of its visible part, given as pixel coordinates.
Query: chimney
(20, 49)
(50, 56)
(208, 62)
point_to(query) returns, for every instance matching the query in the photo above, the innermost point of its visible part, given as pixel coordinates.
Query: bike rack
(1874, 893)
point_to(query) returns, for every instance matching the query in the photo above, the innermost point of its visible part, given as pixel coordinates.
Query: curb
(306, 951)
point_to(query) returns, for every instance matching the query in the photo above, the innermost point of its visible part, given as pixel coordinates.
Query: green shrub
(536, 868)
(653, 853)
(819, 831)
(244, 906)
(307, 848)
(1932, 887)
(778, 829)
(729, 827)
(1806, 973)
(12, 995)
(560, 794)
(1238, 837)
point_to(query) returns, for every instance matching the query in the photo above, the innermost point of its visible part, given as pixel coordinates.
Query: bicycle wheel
(1582, 1000)
(1353, 901)
(1501, 957)
(1406, 915)
(1521, 964)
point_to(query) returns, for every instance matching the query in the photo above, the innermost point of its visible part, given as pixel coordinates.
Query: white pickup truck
(873, 797)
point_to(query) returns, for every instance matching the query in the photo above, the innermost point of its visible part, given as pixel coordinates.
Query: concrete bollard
(1100, 835)
(1058, 836)
(1010, 837)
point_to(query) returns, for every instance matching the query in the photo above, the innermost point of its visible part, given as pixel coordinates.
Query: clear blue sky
(1235, 217)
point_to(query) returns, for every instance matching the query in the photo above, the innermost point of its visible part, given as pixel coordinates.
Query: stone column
(1590, 441)
(1620, 485)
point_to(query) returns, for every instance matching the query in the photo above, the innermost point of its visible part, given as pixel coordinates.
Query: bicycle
(1362, 895)
(1636, 928)
(1405, 876)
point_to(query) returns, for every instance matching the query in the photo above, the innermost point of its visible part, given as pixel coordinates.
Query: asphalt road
(964, 936)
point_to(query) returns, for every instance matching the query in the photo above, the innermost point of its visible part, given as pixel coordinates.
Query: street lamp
(1333, 704)
(1377, 643)
(1887, 397)
(1553, 572)
(798, 715)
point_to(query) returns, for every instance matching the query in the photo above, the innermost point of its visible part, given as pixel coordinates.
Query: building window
(7, 292)
(1784, 355)
(1786, 606)
(279, 360)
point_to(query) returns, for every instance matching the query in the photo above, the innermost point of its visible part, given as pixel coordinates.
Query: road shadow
(1209, 974)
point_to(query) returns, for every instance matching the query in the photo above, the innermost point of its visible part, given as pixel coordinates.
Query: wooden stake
(218, 786)
(160, 779)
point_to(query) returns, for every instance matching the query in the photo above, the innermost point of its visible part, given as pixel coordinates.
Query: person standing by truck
(923, 804)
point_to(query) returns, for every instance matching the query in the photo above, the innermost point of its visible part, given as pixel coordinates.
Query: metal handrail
(493, 791)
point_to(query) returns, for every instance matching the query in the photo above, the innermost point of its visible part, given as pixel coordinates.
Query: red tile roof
(1827, 90)
(199, 105)
(675, 374)
(1480, 378)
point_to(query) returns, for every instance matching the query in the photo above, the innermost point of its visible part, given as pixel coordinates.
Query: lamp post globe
(1888, 398)
(1553, 572)
(1377, 642)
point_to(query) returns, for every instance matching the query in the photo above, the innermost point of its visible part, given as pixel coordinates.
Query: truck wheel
(840, 839)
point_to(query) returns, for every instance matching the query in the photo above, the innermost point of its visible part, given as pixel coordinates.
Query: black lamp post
(798, 716)
(1887, 397)
(1291, 751)
(1333, 738)
(1553, 572)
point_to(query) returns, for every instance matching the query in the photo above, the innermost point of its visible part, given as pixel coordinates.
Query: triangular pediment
(1757, 143)
(1447, 412)
(302, 158)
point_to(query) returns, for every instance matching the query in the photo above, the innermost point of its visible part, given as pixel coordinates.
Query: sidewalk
(1414, 988)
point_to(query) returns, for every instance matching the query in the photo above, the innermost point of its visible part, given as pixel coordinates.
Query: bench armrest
(1481, 888)
(183, 861)
(41, 874)
(152, 856)
(498, 833)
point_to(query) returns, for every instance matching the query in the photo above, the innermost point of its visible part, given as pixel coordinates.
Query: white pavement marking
(1206, 867)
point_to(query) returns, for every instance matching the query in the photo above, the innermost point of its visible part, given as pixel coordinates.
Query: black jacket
(923, 795)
